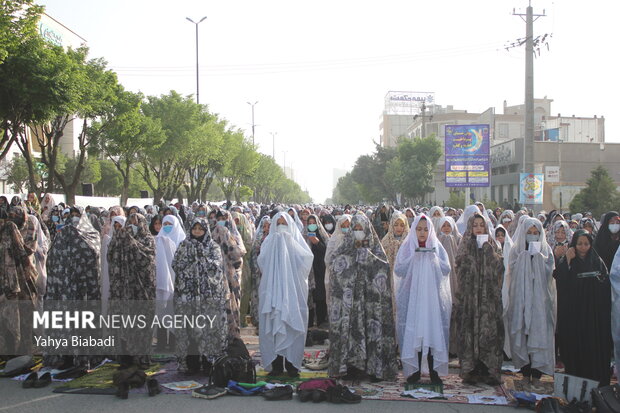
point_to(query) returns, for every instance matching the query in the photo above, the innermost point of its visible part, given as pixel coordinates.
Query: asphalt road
(15, 399)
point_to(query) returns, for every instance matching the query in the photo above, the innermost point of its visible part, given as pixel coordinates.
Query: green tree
(16, 171)
(369, 173)
(347, 191)
(413, 169)
(18, 26)
(204, 156)
(164, 168)
(599, 195)
(111, 180)
(18, 23)
(91, 172)
(240, 163)
(456, 199)
(124, 133)
(36, 85)
(57, 87)
(267, 174)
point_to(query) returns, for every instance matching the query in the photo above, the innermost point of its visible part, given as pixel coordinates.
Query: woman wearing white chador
(423, 301)
(166, 243)
(530, 313)
(285, 261)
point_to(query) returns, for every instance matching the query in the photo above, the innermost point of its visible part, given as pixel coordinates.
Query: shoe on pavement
(208, 392)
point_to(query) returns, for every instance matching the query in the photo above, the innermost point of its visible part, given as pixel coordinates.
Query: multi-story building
(575, 144)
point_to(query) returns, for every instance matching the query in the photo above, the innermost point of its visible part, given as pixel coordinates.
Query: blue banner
(467, 156)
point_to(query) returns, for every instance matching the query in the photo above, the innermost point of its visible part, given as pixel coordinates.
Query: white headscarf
(285, 261)
(300, 224)
(461, 224)
(177, 234)
(424, 301)
(436, 220)
(506, 214)
(531, 310)
(455, 230)
(506, 248)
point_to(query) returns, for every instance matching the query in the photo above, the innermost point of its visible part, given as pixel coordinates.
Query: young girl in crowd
(424, 302)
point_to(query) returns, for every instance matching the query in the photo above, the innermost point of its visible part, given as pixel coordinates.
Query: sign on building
(467, 156)
(407, 103)
(552, 174)
(531, 188)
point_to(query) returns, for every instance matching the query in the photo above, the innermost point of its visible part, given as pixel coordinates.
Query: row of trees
(168, 143)
(400, 174)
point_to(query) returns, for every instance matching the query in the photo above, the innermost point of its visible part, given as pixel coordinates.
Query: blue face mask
(167, 229)
(345, 230)
(312, 227)
(55, 218)
(201, 213)
(221, 223)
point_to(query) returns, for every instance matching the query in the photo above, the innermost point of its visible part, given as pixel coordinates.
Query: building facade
(575, 145)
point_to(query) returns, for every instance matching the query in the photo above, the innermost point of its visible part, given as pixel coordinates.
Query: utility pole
(253, 125)
(423, 119)
(273, 143)
(528, 139)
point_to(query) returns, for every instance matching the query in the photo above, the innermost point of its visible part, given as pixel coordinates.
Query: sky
(320, 69)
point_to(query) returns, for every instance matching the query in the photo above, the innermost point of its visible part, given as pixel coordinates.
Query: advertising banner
(531, 188)
(467, 156)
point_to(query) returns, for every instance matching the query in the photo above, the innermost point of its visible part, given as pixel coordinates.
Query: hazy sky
(320, 69)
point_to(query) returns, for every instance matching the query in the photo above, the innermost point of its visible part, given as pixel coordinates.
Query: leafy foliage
(599, 196)
(406, 169)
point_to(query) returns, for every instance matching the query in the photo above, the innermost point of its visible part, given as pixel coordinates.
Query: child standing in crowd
(480, 328)
(530, 313)
(423, 302)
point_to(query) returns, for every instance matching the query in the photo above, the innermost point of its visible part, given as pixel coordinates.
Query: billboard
(467, 156)
(531, 188)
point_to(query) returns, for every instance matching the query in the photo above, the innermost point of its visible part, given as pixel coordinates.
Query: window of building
(502, 130)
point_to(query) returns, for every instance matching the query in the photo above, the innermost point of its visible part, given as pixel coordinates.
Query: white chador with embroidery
(423, 300)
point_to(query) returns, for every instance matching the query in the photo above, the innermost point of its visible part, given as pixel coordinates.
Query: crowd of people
(406, 288)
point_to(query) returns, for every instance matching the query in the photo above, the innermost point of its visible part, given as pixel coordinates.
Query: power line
(269, 68)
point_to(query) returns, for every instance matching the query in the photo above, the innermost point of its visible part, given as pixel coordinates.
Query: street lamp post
(253, 125)
(197, 74)
(273, 144)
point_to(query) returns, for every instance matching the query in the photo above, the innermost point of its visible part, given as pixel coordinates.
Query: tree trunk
(70, 194)
(24, 146)
(157, 196)
(125, 190)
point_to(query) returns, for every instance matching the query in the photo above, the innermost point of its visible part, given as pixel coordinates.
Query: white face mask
(359, 235)
(506, 220)
(134, 228)
(329, 227)
(531, 238)
(282, 228)
(614, 228)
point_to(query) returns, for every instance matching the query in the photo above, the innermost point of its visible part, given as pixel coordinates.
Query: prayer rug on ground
(454, 390)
